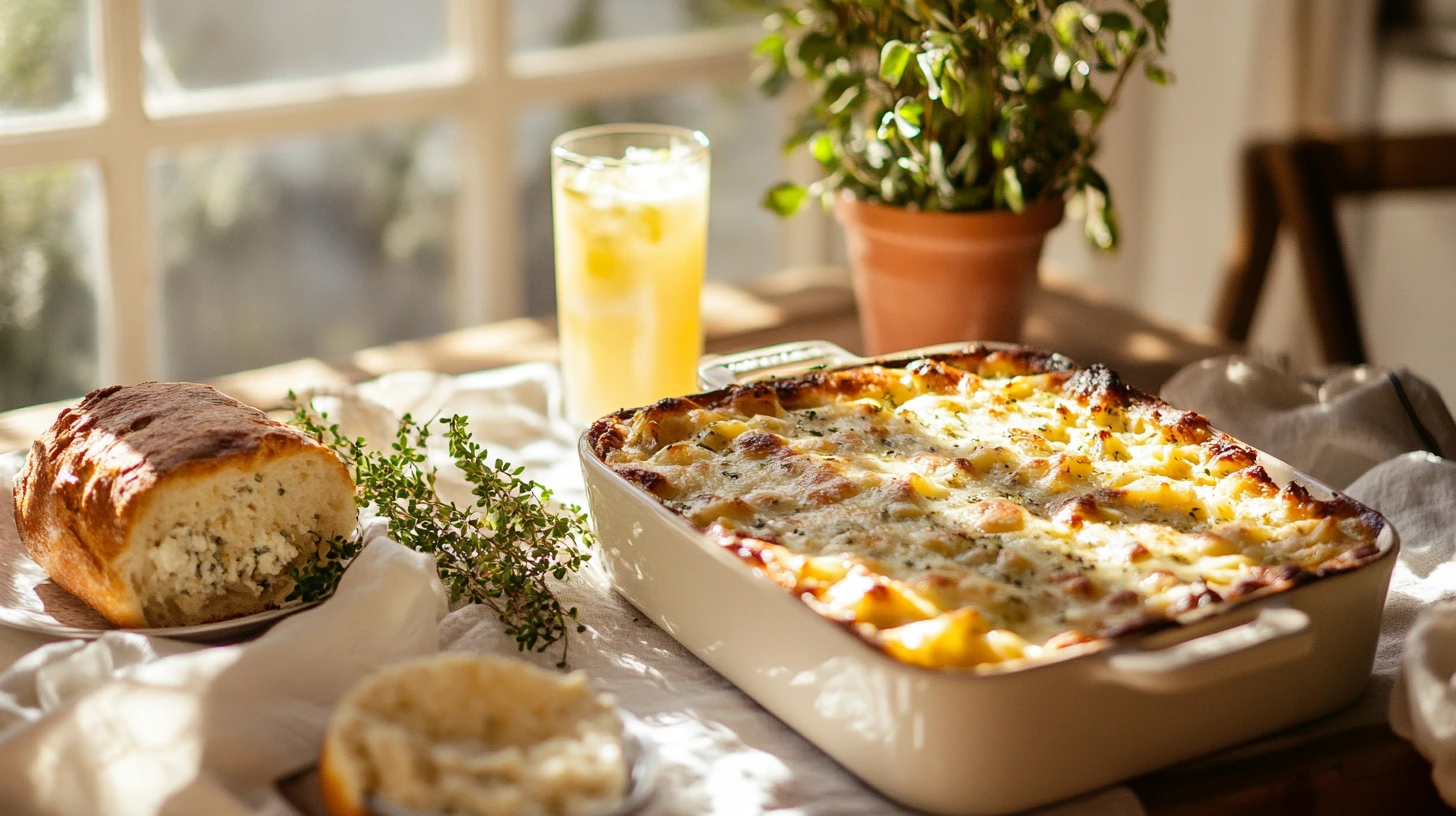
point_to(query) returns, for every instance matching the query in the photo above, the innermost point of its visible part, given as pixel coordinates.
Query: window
(192, 188)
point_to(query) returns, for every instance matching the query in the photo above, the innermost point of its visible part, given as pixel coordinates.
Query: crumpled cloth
(1386, 438)
(128, 725)
(1334, 427)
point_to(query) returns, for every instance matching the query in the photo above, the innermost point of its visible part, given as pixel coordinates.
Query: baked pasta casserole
(984, 506)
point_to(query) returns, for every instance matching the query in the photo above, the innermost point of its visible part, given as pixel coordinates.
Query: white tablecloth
(720, 753)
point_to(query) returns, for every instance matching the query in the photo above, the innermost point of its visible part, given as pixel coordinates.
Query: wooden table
(1361, 771)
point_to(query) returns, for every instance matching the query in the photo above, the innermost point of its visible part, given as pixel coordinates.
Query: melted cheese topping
(956, 519)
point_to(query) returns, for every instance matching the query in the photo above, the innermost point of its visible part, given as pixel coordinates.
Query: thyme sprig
(317, 578)
(497, 552)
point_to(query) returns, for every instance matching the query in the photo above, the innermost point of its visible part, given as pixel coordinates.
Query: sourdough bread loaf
(474, 734)
(170, 504)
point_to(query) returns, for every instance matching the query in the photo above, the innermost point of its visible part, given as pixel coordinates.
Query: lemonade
(631, 243)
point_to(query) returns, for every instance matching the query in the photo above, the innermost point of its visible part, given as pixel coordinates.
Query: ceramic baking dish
(968, 742)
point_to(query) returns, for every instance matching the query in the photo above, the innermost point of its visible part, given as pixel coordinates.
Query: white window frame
(482, 87)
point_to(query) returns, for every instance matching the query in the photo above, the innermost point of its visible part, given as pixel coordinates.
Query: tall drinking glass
(630, 205)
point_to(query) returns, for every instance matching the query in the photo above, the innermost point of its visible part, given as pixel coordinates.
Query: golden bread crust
(89, 477)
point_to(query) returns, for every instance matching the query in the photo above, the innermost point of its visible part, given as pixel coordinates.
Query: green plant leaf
(1011, 190)
(845, 100)
(1133, 41)
(937, 172)
(1068, 22)
(772, 44)
(1156, 73)
(930, 63)
(811, 51)
(943, 40)
(907, 116)
(1099, 222)
(998, 149)
(822, 148)
(966, 164)
(772, 82)
(883, 132)
(771, 75)
(1086, 99)
(894, 58)
(1116, 21)
(1156, 13)
(785, 198)
(952, 94)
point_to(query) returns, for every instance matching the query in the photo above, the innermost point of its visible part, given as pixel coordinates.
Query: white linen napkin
(1423, 706)
(1423, 702)
(1333, 427)
(128, 725)
(1380, 435)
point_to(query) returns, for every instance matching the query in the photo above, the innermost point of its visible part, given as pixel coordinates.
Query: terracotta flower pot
(922, 278)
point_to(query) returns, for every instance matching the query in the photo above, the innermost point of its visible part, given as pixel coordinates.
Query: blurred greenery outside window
(309, 246)
(48, 214)
(314, 243)
(48, 332)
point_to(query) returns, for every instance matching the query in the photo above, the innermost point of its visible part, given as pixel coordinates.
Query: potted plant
(951, 134)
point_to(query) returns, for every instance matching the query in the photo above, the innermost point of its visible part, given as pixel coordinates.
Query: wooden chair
(1297, 183)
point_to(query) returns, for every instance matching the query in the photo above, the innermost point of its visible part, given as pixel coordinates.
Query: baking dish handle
(1277, 635)
(722, 371)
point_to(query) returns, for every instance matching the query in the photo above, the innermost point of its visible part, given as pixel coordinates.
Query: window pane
(743, 238)
(198, 44)
(555, 23)
(309, 247)
(49, 219)
(45, 58)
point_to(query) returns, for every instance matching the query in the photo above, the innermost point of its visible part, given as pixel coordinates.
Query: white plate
(30, 600)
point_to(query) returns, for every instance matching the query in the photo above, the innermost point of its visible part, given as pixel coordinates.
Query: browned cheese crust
(983, 506)
(91, 475)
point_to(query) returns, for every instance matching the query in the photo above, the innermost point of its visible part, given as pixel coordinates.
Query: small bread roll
(169, 504)
(473, 734)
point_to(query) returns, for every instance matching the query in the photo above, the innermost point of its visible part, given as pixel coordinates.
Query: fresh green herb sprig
(317, 578)
(497, 552)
